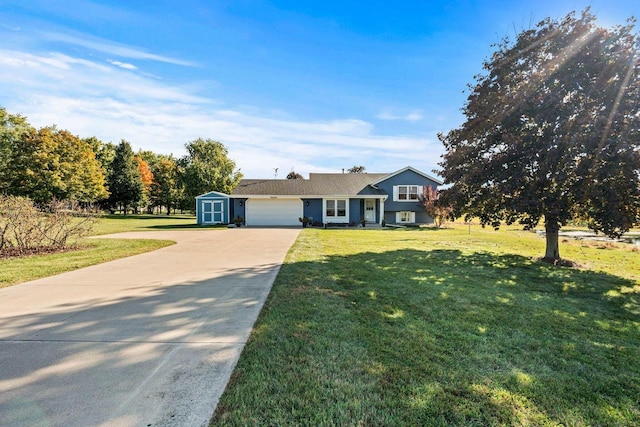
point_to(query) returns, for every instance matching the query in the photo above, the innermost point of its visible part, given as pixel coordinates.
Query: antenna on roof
(275, 173)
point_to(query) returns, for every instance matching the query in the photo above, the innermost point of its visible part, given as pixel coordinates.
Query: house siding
(239, 208)
(407, 177)
(314, 210)
(356, 210)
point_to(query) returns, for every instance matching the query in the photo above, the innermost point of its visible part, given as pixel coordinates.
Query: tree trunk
(552, 252)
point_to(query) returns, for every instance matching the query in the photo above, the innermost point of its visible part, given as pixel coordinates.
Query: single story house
(327, 198)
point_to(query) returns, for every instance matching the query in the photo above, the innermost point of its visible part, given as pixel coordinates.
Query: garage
(273, 212)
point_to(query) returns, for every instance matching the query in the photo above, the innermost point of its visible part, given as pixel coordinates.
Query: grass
(120, 223)
(95, 251)
(439, 328)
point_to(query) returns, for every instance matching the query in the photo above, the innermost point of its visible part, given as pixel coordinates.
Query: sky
(310, 86)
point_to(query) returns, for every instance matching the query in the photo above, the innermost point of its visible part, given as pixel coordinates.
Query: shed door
(212, 212)
(273, 212)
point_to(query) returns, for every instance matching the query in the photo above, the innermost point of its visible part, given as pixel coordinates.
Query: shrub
(26, 229)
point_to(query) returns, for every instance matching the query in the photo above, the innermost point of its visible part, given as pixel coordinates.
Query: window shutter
(395, 196)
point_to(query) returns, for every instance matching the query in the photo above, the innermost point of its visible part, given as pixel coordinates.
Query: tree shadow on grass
(440, 337)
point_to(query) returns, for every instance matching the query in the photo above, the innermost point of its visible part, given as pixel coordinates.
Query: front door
(370, 210)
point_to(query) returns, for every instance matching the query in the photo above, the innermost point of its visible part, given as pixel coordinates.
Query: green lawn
(121, 223)
(95, 251)
(439, 328)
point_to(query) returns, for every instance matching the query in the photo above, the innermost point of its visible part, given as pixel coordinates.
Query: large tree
(125, 181)
(52, 163)
(552, 131)
(165, 188)
(207, 167)
(13, 129)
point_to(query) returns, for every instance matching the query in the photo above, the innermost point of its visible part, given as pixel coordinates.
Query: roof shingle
(318, 184)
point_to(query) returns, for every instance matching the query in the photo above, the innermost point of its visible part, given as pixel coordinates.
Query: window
(406, 217)
(336, 209)
(331, 208)
(406, 193)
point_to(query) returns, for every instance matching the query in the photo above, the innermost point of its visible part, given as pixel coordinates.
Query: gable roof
(318, 184)
(212, 193)
(321, 184)
(390, 175)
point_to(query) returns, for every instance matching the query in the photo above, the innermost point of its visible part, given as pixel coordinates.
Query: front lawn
(18, 270)
(108, 224)
(442, 327)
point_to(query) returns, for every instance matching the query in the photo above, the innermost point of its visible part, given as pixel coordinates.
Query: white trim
(396, 193)
(221, 211)
(412, 217)
(434, 179)
(340, 219)
(212, 212)
(213, 192)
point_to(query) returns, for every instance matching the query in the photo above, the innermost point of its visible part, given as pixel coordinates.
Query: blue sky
(310, 86)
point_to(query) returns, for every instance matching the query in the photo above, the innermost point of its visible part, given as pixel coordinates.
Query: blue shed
(212, 208)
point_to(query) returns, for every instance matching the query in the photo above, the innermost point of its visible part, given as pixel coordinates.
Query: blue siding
(314, 210)
(407, 177)
(356, 210)
(209, 197)
(239, 206)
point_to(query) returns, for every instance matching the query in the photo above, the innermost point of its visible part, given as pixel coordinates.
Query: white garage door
(273, 211)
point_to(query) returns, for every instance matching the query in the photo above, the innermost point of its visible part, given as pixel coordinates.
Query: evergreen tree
(125, 181)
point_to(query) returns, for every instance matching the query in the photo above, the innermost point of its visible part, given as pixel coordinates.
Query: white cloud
(111, 48)
(412, 116)
(90, 98)
(124, 65)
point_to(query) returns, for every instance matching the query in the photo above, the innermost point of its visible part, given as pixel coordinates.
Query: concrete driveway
(149, 340)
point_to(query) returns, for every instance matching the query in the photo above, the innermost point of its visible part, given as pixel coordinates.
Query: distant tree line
(49, 164)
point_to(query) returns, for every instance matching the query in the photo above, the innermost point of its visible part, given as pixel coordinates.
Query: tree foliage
(51, 163)
(294, 175)
(165, 189)
(125, 181)
(207, 167)
(13, 128)
(147, 178)
(434, 206)
(356, 169)
(552, 131)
